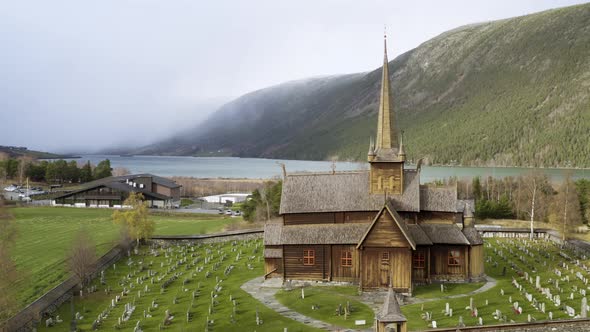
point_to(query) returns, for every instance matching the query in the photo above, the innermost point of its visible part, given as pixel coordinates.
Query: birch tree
(135, 220)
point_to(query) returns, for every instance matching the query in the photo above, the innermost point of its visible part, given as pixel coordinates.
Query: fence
(28, 318)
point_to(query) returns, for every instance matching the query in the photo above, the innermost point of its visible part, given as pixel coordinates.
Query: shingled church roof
(277, 234)
(444, 234)
(344, 191)
(418, 234)
(443, 199)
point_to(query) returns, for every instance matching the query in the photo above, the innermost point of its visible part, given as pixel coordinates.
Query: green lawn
(45, 234)
(433, 290)
(327, 300)
(204, 269)
(542, 260)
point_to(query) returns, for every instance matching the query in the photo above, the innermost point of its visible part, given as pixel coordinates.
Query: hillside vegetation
(509, 92)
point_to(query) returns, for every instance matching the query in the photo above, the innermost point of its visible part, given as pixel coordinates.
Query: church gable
(387, 230)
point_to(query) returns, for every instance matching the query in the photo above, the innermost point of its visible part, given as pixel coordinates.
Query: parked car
(12, 188)
(228, 212)
(237, 213)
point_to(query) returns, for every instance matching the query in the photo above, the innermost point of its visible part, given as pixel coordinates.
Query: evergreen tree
(477, 192)
(73, 172)
(86, 173)
(103, 169)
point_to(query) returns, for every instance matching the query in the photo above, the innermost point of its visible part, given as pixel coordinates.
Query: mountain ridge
(509, 92)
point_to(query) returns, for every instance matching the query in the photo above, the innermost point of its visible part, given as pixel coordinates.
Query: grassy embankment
(46, 233)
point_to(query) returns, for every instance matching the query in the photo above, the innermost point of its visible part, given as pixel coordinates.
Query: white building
(224, 198)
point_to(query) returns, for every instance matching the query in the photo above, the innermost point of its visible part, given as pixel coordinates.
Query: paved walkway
(491, 282)
(265, 293)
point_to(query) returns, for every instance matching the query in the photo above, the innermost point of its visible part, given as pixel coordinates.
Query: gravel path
(491, 282)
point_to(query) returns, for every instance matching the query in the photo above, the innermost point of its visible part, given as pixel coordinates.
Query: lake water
(229, 167)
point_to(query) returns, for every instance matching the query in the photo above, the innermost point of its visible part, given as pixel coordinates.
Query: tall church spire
(386, 125)
(386, 156)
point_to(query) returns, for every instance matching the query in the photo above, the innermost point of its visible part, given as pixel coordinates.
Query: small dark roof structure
(442, 199)
(444, 234)
(391, 312)
(467, 206)
(388, 208)
(473, 236)
(418, 235)
(277, 234)
(344, 191)
(155, 179)
(119, 183)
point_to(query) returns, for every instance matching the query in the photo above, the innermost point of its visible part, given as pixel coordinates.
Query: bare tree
(565, 208)
(23, 162)
(533, 193)
(8, 271)
(120, 171)
(82, 258)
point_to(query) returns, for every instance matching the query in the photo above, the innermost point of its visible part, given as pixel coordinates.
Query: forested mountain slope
(509, 92)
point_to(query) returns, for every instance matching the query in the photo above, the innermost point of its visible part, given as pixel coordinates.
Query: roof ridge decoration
(396, 219)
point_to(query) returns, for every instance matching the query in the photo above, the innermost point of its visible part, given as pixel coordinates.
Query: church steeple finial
(386, 126)
(401, 153)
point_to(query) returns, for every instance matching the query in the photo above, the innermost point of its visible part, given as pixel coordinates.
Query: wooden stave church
(375, 228)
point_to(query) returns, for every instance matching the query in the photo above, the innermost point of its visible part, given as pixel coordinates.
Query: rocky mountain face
(509, 92)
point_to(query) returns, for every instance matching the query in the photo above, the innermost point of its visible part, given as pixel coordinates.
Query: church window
(346, 258)
(385, 258)
(454, 262)
(308, 257)
(419, 260)
(380, 183)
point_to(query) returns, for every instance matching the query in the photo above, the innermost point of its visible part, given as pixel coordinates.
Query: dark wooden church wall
(294, 268)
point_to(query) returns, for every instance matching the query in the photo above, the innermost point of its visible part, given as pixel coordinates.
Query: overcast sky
(82, 75)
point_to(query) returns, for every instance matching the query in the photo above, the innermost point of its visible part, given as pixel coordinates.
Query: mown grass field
(202, 286)
(46, 233)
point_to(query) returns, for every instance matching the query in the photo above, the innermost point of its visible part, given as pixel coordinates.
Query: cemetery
(536, 281)
(177, 288)
(46, 233)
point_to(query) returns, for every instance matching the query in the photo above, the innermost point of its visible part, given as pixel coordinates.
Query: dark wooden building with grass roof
(377, 227)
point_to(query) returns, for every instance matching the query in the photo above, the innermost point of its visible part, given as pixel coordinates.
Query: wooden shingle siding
(344, 273)
(294, 268)
(376, 273)
(273, 264)
(359, 217)
(420, 274)
(476, 261)
(308, 218)
(386, 233)
(439, 263)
